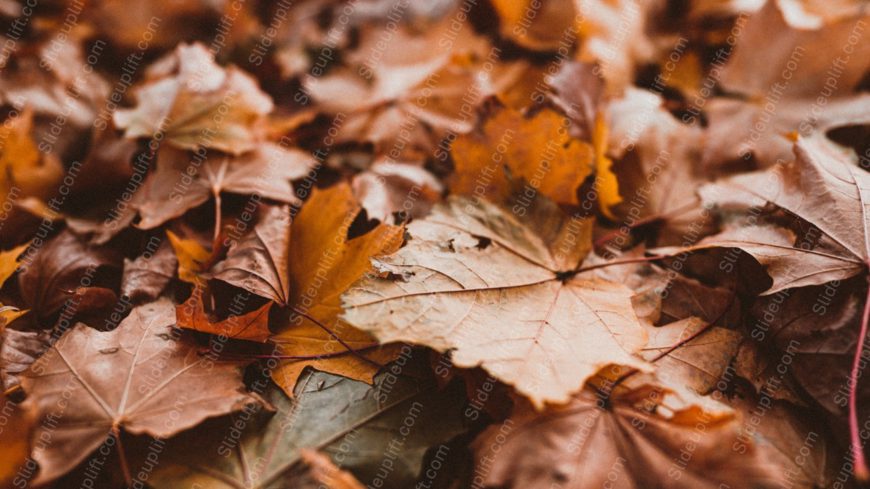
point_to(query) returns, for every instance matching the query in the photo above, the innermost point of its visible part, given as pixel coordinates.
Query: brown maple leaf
(823, 186)
(58, 269)
(622, 441)
(183, 181)
(139, 377)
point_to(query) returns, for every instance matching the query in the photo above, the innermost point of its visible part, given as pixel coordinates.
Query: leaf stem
(125, 467)
(217, 221)
(626, 261)
(861, 471)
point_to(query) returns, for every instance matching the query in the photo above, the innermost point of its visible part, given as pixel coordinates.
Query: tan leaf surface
(196, 103)
(530, 321)
(824, 186)
(183, 181)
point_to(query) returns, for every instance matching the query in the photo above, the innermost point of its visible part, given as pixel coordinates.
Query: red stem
(861, 471)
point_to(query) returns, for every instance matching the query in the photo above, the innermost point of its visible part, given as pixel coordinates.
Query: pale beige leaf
(476, 281)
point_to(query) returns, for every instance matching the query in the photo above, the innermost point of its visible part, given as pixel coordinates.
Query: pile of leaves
(447, 244)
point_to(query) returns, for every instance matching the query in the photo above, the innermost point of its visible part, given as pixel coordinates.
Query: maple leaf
(658, 162)
(145, 277)
(398, 100)
(329, 413)
(623, 440)
(159, 374)
(15, 434)
(504, 294)
(259, 261)
(786, 430)
(24, 170)
(56, 270)
(388, 188)
(183, 182)
(537, 149)
(534, 25)
(193, 103)
(307, 265)
(822, 186)
(804, 82)
(818, 30)
(18, 351)
(689, 353)
(252, 326)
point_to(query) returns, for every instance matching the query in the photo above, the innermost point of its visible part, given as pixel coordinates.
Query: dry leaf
(531, 321)
(165, 386)
(194, 103)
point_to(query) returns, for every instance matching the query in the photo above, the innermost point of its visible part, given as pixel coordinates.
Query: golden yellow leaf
(323, 265)
(191, 257)
(24, 171)
(605, 180)
(509, 146)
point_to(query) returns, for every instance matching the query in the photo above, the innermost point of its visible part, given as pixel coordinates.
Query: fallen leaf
(145, 277)
(51, 272)
(442, 291)
(259, 261)
(352, 421)
(193, 103)
(622, 442)
(167, 387)
(183, 181)
(24, 170)
(19, 349)
(813, 42)
(509, 147)
(324, 263)
(388, 188)
(191, 257)
(823, 186)
(695, 356)
(251, 326)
